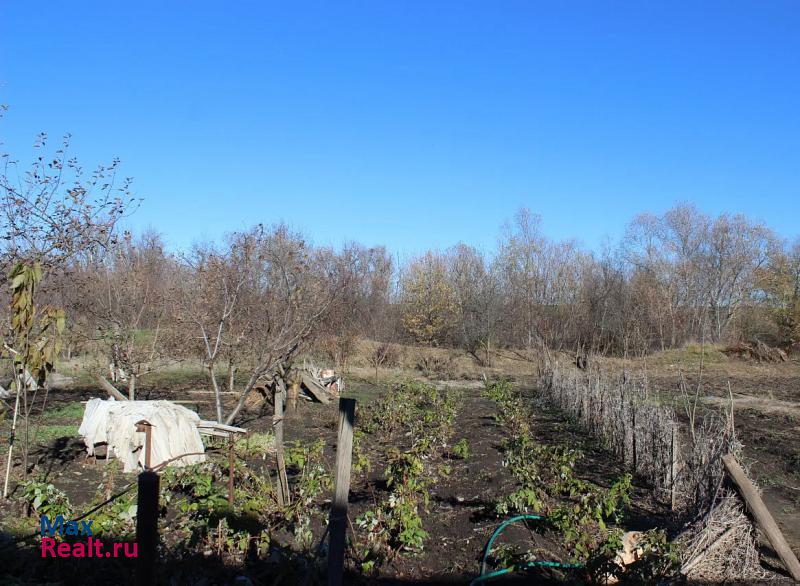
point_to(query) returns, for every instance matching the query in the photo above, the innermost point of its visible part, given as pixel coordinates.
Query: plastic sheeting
(173, 434)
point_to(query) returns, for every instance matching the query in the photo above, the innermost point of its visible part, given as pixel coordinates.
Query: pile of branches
(722, 545)
(758, 351)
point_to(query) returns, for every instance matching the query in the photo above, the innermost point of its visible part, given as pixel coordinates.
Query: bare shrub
(384, 354)
(337, 350)
(436, 366)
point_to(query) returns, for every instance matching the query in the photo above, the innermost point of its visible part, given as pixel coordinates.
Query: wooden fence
(616, 409)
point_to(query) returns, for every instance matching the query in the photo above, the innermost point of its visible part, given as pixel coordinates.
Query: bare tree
(737, 250)
(53, 211)
(260, 297)
(126, 294)
(477, 304)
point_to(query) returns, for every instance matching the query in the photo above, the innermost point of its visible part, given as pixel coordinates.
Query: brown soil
(460, 517)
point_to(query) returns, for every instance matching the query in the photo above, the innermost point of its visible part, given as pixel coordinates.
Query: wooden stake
(338, 517)
(762, 515)
(231, 467)
(675, 456)
(277, 421)
(147, 528)
(146, 427)
(633, 435)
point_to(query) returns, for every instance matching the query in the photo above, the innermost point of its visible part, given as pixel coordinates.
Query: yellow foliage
(430, 301)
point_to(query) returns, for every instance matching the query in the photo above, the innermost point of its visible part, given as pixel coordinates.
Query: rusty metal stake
(146, 427)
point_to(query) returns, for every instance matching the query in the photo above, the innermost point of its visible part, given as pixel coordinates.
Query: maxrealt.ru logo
(91, 548)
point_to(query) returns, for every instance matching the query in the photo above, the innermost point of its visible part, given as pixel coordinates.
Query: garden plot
(434, 473)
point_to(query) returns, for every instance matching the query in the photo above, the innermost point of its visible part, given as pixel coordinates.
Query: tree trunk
(231, 372)
(242, 398)
(132, 387)
(217, 392)
(26, 412)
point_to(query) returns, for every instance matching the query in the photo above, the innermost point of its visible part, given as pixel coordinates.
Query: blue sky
(416, 124)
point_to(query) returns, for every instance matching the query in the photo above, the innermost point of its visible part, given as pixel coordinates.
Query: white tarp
(113, 422)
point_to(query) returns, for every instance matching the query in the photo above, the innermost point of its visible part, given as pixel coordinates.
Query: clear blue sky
(416, 124)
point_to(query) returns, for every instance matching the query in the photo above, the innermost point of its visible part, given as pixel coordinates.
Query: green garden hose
(537, 563)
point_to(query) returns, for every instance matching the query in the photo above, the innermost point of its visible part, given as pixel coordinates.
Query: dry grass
(722, 546)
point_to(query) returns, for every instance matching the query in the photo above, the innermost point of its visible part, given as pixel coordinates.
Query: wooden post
(147, 528)
(277, 421)
(762, 515)
(338, 518)
(145, 427)
(633, 434)
(231, 467)
(675, 457)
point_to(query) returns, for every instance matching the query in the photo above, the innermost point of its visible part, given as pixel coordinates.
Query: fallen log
(762, 515)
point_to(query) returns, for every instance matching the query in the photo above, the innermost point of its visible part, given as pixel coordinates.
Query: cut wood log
(762, 515)
(317, 391)
(109, 388)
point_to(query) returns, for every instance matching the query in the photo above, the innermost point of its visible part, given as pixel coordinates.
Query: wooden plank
(762, 515)
(214, 432)
(109, 388)
(220, 426)
(338, 517)
(318, 391)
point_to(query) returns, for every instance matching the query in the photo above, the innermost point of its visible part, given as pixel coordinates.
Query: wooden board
(109, 388)
(203, 423)
(762, 515)
(317, 391)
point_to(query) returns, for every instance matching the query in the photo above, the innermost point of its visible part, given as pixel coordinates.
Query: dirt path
(770, 406)
(462, 503)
